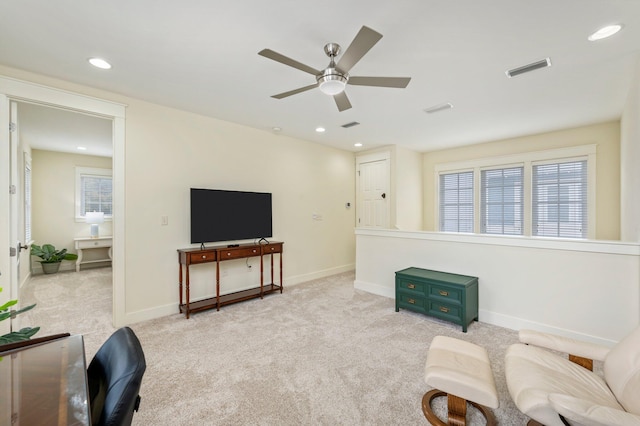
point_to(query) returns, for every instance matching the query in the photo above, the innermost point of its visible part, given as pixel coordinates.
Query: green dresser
(450, 297)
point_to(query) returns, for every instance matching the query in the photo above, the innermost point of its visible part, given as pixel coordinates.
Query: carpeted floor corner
(321, 353)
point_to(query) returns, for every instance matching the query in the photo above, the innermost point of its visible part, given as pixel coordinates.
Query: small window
(502, 201)
(560, 200)
(93, 191)
(456, 202)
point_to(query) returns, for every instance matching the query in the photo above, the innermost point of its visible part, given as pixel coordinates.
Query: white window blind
(560, 200)
(456, 202)
(501, 201)
(95, 194)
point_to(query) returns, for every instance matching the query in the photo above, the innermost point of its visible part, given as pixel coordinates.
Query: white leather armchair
(549, 388)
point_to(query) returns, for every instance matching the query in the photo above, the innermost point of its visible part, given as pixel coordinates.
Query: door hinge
(12, 190)
(13, 252)
(12, 126)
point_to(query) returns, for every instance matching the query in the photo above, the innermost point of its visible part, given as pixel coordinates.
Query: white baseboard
(299, 279)
(501, 320)
(171, 309)
(375, 289)
(516, 323)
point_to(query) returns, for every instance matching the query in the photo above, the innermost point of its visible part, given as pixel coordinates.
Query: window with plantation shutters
(93, 192)
(501, 201)
(456, 202)
(560, 200)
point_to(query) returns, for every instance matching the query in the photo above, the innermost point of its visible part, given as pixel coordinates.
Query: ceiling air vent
(437, 108)
(528, 68)
(353, 123)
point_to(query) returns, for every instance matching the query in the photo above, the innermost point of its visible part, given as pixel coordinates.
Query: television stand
(217, 254)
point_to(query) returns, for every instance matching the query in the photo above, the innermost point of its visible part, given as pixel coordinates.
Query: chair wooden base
(456, 407)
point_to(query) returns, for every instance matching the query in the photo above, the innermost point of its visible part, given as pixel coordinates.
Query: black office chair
(115, 375)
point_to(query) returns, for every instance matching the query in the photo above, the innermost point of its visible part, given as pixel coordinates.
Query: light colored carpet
(321, 353)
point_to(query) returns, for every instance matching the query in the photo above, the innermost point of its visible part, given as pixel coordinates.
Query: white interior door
(373, 193)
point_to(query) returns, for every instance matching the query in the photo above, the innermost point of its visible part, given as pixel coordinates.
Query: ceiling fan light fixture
(332, 82)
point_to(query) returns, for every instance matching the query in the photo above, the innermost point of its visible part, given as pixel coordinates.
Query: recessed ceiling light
(100, 63)
(320, 129)
(82, 148)
(357, 144)
(605, 32)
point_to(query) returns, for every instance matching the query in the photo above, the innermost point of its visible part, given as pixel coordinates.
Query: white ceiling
(202, 56)
(54, 129)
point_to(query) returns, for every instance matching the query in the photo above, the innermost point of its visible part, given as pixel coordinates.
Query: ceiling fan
(333, 79)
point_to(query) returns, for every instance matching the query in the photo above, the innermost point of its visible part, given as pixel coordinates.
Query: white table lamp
(95, 219)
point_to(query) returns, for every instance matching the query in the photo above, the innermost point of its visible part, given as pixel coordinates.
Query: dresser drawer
(445, 311)
(201, 257)
(410, 301)
(239, 253)
(272, 248)
(411, 286)
(90, 243)
(445, 293)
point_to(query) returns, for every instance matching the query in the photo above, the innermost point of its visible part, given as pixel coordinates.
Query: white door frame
(18, 90)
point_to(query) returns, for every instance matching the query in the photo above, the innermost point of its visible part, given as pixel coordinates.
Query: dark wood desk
(45, 384)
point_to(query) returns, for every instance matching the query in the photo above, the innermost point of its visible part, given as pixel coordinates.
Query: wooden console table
(217, 254)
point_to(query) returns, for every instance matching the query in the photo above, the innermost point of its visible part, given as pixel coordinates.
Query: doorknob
(384, 195)
(21, 247)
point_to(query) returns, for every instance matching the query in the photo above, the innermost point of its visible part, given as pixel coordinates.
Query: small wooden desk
(87, 243)
(45, 384)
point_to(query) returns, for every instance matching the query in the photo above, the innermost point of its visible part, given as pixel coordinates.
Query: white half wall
(589, 290)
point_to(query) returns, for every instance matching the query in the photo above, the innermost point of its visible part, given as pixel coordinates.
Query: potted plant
(51, 258)
(20, 335)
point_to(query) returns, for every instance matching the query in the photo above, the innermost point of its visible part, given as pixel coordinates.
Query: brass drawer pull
(444, 293)
(412, 301)
(411, 286)
(444, 309)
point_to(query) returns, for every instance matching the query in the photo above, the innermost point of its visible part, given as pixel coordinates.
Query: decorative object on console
(95, 219)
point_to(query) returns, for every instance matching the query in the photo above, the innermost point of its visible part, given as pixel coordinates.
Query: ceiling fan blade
(397, 82)
(364, 41)
(295, 91)
(342, 101)
(268, 53)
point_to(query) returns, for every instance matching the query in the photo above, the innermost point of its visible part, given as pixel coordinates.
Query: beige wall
(408, 189)
(168, 151)
(629, 170)
(53, 200)
(607, 138)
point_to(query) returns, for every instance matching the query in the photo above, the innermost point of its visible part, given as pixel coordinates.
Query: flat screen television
(222, 215)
